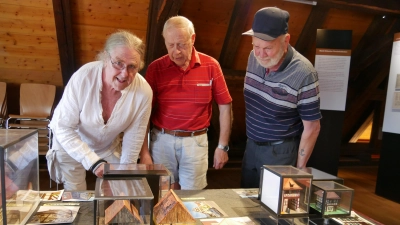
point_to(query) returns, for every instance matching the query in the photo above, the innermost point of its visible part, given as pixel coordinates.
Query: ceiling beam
(155, 42)
(63, 22)
(308, 35)
(386, 7)
(237, 24)
(378, 28)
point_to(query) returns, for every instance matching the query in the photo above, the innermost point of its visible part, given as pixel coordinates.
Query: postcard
(247, 193)
(57, 213)
(228, 221)
(78, 196)
(51, 195)
(204, 209)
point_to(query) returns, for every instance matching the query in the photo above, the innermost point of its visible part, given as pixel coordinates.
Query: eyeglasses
(121, 66)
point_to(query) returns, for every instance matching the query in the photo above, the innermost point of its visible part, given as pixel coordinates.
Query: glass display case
(19, 180)
(123, 201)
(319, 175)
(285, 191)
(274, 220)
(331, 199)
(157, 176)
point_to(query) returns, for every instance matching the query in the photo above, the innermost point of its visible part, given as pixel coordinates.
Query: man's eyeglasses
(121, 66)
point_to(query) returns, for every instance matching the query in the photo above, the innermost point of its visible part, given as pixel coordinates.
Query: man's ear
(193, 38)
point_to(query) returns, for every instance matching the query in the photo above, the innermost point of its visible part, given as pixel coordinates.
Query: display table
(227, 199)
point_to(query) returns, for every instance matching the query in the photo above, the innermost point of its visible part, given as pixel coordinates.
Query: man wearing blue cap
(281, 97)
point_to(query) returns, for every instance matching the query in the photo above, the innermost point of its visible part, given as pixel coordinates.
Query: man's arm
(225, 123)
(307, 142)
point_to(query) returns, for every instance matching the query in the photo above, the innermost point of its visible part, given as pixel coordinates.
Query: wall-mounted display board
(392, 109)
(332, 62)
(388, 180)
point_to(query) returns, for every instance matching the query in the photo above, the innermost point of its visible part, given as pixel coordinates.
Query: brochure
(228, 221)
(204, 209)
(78, 196)
(55, 213)
(247, 193)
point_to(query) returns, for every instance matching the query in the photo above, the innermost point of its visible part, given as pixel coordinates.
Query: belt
(278, 142)
(180, 133)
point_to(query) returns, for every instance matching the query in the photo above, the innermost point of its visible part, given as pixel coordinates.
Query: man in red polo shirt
(184, 83)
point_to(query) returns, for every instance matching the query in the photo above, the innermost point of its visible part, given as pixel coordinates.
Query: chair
(3, 103)
(36, 108)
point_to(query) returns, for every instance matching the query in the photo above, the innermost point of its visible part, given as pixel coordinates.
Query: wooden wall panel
(94, 20)
(357, 21)
(211, 20)
(298, 17)
(28, 43)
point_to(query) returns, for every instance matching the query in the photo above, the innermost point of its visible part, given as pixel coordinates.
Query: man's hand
(220, 158)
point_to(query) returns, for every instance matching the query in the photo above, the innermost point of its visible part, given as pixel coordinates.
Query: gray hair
(123, 38)
(179, 22)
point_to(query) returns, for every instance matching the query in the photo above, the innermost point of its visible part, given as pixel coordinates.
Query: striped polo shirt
(277, 103)
(182, 100)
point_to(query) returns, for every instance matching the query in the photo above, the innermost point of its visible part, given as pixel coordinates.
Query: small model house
(332, 200)
(290, 195)
(122, 211)
(170, 210)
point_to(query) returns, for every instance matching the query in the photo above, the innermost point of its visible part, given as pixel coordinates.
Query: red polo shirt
(182, 100)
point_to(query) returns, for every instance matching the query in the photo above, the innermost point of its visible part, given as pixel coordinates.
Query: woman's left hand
(99, 171)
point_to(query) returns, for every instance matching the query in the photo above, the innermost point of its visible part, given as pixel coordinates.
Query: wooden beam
(62, 17)
(387, 7)
(236, 27)
(378, 28)
(380, 70)
(155, 46)
(308, 35)
(152, 35)
(370, 54)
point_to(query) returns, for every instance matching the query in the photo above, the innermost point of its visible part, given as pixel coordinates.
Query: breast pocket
(203, 94)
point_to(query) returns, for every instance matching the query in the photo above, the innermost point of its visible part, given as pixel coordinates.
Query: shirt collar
(287, 59)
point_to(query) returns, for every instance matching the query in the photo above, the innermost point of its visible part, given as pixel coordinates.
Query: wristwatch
(225, 148)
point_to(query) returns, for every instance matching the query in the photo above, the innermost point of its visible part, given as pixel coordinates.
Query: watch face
(225, 148)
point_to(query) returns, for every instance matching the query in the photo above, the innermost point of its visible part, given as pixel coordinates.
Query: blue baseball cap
(269, 23)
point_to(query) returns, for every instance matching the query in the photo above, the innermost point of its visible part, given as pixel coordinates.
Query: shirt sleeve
(308, 104)
(134, 135)
(221, 93)
(66, 119)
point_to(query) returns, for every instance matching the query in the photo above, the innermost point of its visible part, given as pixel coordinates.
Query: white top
(78, 124)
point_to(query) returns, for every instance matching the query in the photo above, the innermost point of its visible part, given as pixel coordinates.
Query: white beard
(272, 61)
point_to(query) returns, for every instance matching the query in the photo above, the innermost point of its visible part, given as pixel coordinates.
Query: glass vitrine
(19, 179)
(123, 201)
(331, 199)
(285, 191)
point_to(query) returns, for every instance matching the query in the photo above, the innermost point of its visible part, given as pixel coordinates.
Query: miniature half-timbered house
(332, 200)
(290, 195)
(171, 210)
(122, 211)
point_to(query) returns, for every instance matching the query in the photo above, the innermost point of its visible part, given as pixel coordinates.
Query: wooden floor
(361, 178)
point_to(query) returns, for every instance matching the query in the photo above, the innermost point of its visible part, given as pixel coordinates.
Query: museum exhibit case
(128, 201)
(319, 175)
(331, 199)
(19, 180)
(157, 176)
(285, 191)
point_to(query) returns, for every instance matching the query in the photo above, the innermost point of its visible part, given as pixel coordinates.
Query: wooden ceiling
(45, 41)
